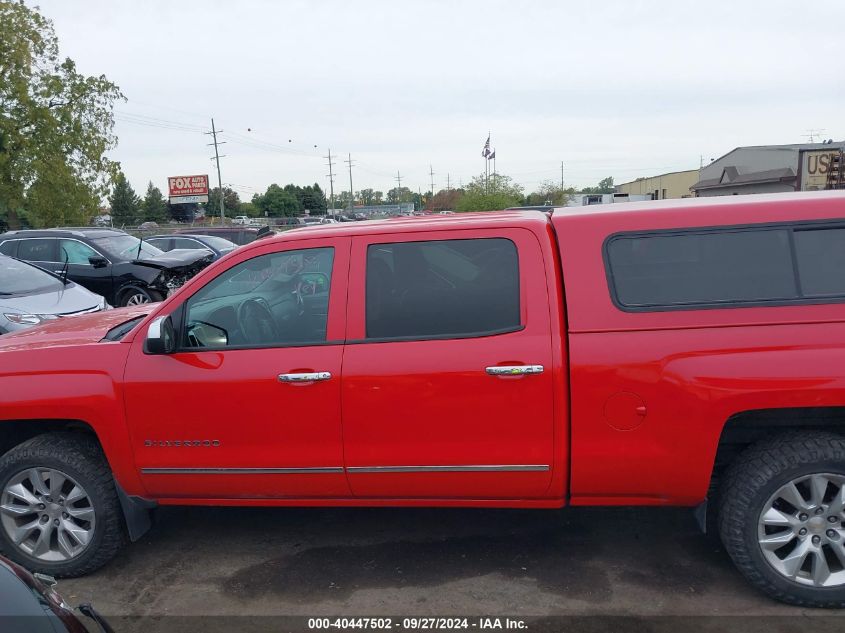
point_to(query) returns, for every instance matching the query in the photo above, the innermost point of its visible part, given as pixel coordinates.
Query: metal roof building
(771, 169)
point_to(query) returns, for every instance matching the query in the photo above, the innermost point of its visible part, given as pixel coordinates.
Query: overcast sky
(622, 88)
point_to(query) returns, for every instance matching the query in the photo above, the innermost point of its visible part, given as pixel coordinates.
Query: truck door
(249, 405)
(447, 386)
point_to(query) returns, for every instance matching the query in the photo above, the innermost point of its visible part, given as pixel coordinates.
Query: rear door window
(186, 242)
(38, 250)
(442, 288)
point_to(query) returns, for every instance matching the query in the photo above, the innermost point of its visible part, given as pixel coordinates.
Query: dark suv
(111, 263)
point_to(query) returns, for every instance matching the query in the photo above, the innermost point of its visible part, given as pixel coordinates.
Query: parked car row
(48, 274)
(120, 267)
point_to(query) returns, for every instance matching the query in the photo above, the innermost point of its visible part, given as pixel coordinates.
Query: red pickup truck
(672, 353)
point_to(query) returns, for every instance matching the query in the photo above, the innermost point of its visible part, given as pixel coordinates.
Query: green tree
(490, 194)
(367, 196)
(605, 186)
(342, 200)
(125, 204)
(549, 192)
(398, 195)
(231, 202)
(154, 206)
(55, 126)
(250, 210)
(276, 202)
(446, 200)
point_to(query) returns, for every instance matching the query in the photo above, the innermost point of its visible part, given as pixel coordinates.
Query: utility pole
(398, 187)
(448, 183)
(349, 162)
(331, 178)
(561, 175)
(216, 159)
(431, 173)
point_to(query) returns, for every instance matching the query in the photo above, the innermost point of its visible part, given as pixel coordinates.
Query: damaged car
(31, 296)
(111, 263)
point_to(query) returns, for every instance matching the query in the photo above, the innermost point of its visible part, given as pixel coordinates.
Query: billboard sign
(187, 189)
(816, 166)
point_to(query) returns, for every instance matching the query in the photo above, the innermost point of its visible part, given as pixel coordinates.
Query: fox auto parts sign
(186, 189)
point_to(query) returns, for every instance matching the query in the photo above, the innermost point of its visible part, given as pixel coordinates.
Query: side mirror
(98, 262)
(161, 337)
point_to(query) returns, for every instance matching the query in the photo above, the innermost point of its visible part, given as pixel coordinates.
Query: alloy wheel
(137, 299)
(47, 514)
(800, 530)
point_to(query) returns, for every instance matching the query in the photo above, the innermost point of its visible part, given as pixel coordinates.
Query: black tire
(79, 456)
(145, 294)
(750, 481)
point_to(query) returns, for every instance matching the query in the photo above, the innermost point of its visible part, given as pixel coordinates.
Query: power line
(331, 177)
(349, 162)
(216, 159)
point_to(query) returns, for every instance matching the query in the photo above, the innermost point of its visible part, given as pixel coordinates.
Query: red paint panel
(431, 403)
(234, 400)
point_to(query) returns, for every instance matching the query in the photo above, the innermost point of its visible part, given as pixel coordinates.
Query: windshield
(221, 244)
(126, 247)
(16, 277)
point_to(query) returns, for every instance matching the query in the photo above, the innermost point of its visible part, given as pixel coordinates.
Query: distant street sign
(187, 199)
(187, 187)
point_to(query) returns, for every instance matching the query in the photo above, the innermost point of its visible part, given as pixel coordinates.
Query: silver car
(30, 295)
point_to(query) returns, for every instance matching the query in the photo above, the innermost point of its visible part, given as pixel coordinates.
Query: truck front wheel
(59, 512)
(782, 517)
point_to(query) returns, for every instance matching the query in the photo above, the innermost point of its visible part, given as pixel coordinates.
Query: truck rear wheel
(782, 517)
(59, 512)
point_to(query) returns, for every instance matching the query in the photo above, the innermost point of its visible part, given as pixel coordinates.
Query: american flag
(486, 151)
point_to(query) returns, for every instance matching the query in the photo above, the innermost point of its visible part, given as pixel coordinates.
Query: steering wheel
(256, 323)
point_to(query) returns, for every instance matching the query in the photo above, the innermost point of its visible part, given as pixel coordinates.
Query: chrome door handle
(306, 377)
(514, 370)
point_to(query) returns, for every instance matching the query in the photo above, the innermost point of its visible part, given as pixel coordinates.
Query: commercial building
(587, 199)
(774, 168)
(674, 184)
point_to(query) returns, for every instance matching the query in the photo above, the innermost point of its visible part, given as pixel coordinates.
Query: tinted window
(820, 255)
(37, 250)
(8, 247)
(271, 300)
(442, 288)
(184, 242)
(75, 252)
(701, 268)
(219, 243)
(161, 243)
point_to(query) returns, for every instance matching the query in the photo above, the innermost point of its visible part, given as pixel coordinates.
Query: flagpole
(488, 164)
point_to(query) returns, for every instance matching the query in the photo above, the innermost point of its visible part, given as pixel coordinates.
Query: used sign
(816, 166)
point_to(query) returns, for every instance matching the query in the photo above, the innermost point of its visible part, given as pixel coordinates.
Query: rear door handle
(514, 370)
(305, 377)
